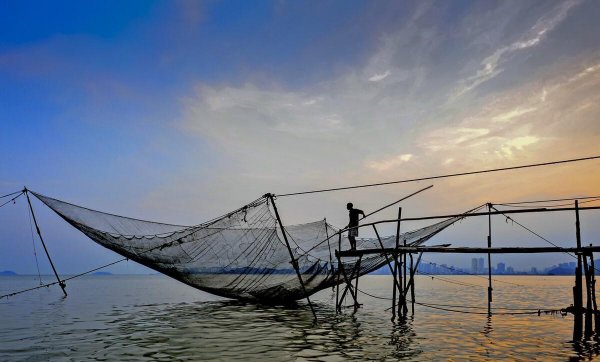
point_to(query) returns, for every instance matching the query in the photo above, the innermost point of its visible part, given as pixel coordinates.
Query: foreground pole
(294, 261)
(489, 240)
(396, 266)
(37, 228)
(595, 303)
(577, 290)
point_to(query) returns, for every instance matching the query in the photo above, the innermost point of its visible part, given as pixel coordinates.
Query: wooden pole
(588, 292)
(412, 285)
(489, 242)
(293, 260)
(577, 297)
(596, 315)
(442, 249)
(391, 267)
(37, 228)
(397, 282)
(405, 280)
(356, 304)
(339, 266)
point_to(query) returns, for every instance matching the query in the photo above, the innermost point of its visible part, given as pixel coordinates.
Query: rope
(538, 312)
(442, 176)
(12, 193)
(536, 234)
(447, 307)
(449, 281)
(548, 200)
(62, 281)
(12, 200)
(551, 206)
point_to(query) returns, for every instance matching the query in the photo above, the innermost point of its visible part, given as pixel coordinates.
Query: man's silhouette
(353, 224)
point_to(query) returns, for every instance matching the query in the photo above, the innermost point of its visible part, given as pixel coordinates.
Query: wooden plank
(469, 250)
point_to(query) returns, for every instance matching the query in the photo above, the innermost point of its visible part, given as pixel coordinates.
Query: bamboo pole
(412, 286)
(37, 228)
(489, 242)
(577, 297)
(595, 303)
(357, 266)
(293, 260)
(469, 250)
(339, 266)
(588, 292)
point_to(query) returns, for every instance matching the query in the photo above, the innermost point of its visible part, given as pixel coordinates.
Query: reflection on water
(153, 317)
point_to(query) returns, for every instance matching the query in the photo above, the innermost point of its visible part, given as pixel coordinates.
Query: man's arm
(361, 212)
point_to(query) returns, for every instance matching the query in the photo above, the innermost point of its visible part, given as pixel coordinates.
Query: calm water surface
(157, 318)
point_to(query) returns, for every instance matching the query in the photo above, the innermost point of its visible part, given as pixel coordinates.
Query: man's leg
(352, 242)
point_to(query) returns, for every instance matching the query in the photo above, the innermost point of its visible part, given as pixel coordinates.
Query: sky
(180, 111)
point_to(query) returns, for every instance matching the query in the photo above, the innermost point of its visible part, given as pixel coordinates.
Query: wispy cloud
(367, 123)
(379, 77)
(490, 65)
(387, 164)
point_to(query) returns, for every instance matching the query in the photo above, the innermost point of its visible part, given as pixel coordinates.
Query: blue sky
(179, 111)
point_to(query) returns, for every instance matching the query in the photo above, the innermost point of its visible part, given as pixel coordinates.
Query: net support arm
(293, 260)
(37, 228)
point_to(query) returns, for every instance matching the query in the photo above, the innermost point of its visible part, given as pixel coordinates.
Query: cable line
(64, 280)
(443, 176)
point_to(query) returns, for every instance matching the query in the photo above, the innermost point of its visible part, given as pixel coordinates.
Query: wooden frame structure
(403, 283)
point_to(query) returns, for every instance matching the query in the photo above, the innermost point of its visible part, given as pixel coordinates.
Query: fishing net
(240, 255)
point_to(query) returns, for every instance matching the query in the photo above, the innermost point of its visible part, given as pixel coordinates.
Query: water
(154, 317)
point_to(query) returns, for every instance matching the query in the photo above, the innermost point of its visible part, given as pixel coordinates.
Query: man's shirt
(354, 213)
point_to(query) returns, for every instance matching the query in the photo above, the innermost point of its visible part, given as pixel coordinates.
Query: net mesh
(239, 255)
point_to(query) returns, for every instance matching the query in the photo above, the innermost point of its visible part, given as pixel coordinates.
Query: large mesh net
(239, 255)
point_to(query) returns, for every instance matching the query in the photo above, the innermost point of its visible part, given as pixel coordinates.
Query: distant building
(510, 270)
(481, 266)
(501, 269)
(534, 270)
(474, 266)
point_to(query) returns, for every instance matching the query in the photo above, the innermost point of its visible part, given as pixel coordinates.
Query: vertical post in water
(397, 268)
(37, 228)
(412, 285)
(577, 290)
(588, 293)
(596, 315)
(489, 240)
(356, 304)
(293, 260)
(339, 271)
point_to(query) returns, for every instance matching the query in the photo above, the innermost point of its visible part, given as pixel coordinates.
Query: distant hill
(102, 273)
(7, 273)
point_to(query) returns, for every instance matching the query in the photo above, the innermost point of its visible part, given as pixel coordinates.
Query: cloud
(515, 113)
(352, 129)
(489, 67)
(387, 164)
(379, 77)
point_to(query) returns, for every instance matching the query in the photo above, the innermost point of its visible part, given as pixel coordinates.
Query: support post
(398, 273)
(395, 281)
(489, 240)
(412, 285)
(356, 304)
(37, 228)
(588, 293)
(340, 265)
(411, 281)
(595, 303)
(577, 290)
(293, 260)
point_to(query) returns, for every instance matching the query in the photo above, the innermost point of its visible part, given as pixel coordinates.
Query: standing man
(353, 224)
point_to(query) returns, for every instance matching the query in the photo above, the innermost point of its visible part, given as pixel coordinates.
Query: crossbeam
(468, 250)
